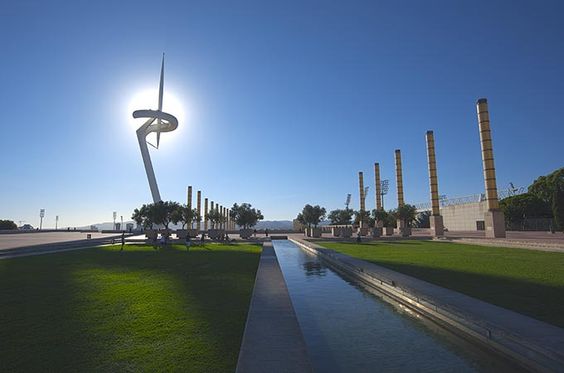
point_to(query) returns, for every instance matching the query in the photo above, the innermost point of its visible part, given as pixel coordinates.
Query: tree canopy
(184, 215)
(341, 216)
(406, 213)
(520, 207)
(244, 215)
(364, 216)
(7, 225)
(311, 215)
(215, 217)
(550, 189)
(160, 213)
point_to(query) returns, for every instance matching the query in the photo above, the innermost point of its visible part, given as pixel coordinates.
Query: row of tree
(313, 215)
(543, 200)
(163, 213)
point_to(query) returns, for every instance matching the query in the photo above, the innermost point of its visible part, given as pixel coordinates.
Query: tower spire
(161, 87)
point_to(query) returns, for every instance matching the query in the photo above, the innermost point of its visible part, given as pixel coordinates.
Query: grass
(103, 310)
(527, 281)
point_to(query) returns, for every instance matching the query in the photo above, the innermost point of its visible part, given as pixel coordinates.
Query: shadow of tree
(140, 309)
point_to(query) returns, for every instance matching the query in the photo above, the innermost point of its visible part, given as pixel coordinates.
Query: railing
(474, 198)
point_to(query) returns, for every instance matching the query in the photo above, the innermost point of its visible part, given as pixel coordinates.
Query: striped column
(199, 208)
(362, 201)
(189, 199)
(436, 219)
(494, 218)
(206, 214)
(487, 154)
(361, 191)
(222, 213)
(377, 186)
(399, 178)
(431, 160)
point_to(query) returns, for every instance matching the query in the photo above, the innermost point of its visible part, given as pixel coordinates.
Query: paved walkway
(273, 341)
(26, 244)
(540, 343)
(20, 240)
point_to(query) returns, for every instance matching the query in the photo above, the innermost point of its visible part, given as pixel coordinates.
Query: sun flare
(148, 99)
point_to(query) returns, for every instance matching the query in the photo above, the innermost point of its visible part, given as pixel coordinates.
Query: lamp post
(114, 215)
(57, 222)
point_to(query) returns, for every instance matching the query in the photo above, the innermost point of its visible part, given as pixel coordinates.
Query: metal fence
(469, 199)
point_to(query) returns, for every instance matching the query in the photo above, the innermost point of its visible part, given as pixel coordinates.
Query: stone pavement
(17, 240)
(37, 243)
(535, 344)
(273, 341)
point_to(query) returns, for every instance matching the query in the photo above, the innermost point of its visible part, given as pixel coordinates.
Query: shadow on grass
(542, 302)
(140, 309)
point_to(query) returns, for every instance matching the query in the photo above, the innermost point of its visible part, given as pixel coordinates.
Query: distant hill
(274, 224)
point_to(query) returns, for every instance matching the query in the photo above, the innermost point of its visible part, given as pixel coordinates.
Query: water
(349, 328)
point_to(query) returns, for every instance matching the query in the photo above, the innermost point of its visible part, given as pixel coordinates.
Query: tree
(244, 215)
(544, 186)
(215, 217)
(196, 218)
(184, 215)
(381, 215)
(160, 213)
(549, 189)
(341, 217)
(311, 215)
(7, 225)
(364, 216)
(558, 208)
(142, 217)
(520, 207)
(406, 213)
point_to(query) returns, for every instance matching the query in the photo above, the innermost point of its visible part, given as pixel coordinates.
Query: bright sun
(148, 99)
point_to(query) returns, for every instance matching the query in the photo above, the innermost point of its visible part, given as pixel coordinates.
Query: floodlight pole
(41, 216)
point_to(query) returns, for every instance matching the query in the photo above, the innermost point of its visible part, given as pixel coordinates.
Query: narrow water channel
(348, 328)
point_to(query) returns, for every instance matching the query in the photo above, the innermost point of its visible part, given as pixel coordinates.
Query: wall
(463, 217)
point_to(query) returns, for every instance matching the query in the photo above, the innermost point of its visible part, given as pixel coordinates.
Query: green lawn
(104, 310)
(527, 281)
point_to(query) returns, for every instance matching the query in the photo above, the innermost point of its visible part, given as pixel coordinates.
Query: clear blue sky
(285, 101)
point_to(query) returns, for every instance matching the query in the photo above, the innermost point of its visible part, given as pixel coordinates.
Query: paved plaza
(20, 240)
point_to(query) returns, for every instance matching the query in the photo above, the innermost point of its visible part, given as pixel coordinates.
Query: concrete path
(49, 243)
(21, 240)
(273, 341)
(536, 344)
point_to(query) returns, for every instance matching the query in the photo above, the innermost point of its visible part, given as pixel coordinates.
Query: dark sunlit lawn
(103, 310)
(527, 281)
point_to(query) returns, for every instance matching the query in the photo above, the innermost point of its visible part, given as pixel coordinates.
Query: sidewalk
(272, 341)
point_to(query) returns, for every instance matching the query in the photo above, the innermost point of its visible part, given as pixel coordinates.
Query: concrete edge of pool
(272, 340)
(531, 343)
